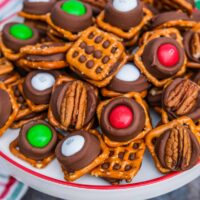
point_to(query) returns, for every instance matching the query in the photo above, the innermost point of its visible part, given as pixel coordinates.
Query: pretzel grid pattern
(123, 163)
(147, 38)
(88, 38)
(157, 132)
(98, 161)
(147, 127)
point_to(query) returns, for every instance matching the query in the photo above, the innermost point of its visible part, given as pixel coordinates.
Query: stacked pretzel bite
(78, 79)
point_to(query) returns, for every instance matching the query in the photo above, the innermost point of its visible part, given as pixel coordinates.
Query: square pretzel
(15, 109)
(119, 32)
(148, 36)
(147, 127)
(98, 161)
(103, 69)
(158, 131)
(123, 162)
(14, 148)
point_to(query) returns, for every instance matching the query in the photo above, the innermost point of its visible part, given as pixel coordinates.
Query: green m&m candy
(21, 31)
(39, 135)
(74, 7)
(197, 4)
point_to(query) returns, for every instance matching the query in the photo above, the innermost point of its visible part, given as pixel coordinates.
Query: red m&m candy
(168, 55)
(121, 117)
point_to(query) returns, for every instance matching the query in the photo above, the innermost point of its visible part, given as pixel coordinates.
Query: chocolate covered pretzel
(72, 105)
(174, 146)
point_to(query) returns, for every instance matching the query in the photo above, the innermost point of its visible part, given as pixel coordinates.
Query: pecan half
(74, 105)
(195, 45)
(183, 97)
(178, 149)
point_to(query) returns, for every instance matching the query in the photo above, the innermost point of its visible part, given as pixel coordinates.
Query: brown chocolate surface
(181, 162)
(151, 62)
(38, 8)
(154, 97)
(84, 157)
(189, 44)
(36, 96)
(32, 152)
(169, 16)
(123, 20)
(138, 85)
(15, 44)
(181, 98)
(46, 58)
(122, 135)
(5, 107)
(57, 99)
(74, 23)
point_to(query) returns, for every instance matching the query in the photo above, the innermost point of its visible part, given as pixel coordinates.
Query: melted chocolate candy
(132, 125)
(126, 19)
(5, 107)
(155, 54)
(76, 23)
(78, 150)
(29, 145)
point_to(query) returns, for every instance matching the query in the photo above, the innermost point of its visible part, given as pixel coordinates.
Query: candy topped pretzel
(150, 59)
(77, 161)
(174, 146)
(8, 108)
(123, 163)
(96, 56)
(123, 119)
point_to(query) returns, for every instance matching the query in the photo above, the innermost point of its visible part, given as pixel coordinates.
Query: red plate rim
(84, 186)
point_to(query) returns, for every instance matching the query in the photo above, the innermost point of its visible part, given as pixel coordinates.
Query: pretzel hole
(111, 153)
(121, 155)
(128, 167)
(136, 145)
(116, 166)
(91, 35)
(105, 165)
(132, 156)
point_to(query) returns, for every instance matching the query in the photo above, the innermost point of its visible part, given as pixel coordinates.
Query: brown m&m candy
(17, 35)
(181, 98)
(73, 105)
(37, 86)
(163, 57)
(122, 119)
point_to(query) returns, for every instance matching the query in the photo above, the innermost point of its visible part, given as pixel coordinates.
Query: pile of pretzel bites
(77, 78)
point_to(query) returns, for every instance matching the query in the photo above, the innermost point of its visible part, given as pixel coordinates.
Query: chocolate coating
(154, 97)
(188, 43)
(5, 107)
(194, 113)
(160, 149)
(169, 16)
(38, 8)
(15, 44)
(84, 157)
(118, 85)
(36, 96)
(151, 62)
(75, 23)
(196, 78)
(32, 152)
(123, 20)
(123, 135)
(57, 98)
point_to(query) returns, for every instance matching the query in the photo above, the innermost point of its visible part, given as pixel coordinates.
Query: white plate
(147, 184)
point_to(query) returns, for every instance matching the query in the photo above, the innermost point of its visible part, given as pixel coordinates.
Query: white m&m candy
(128, 72)
(72, 145)
(124, 5)
(42, 81)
